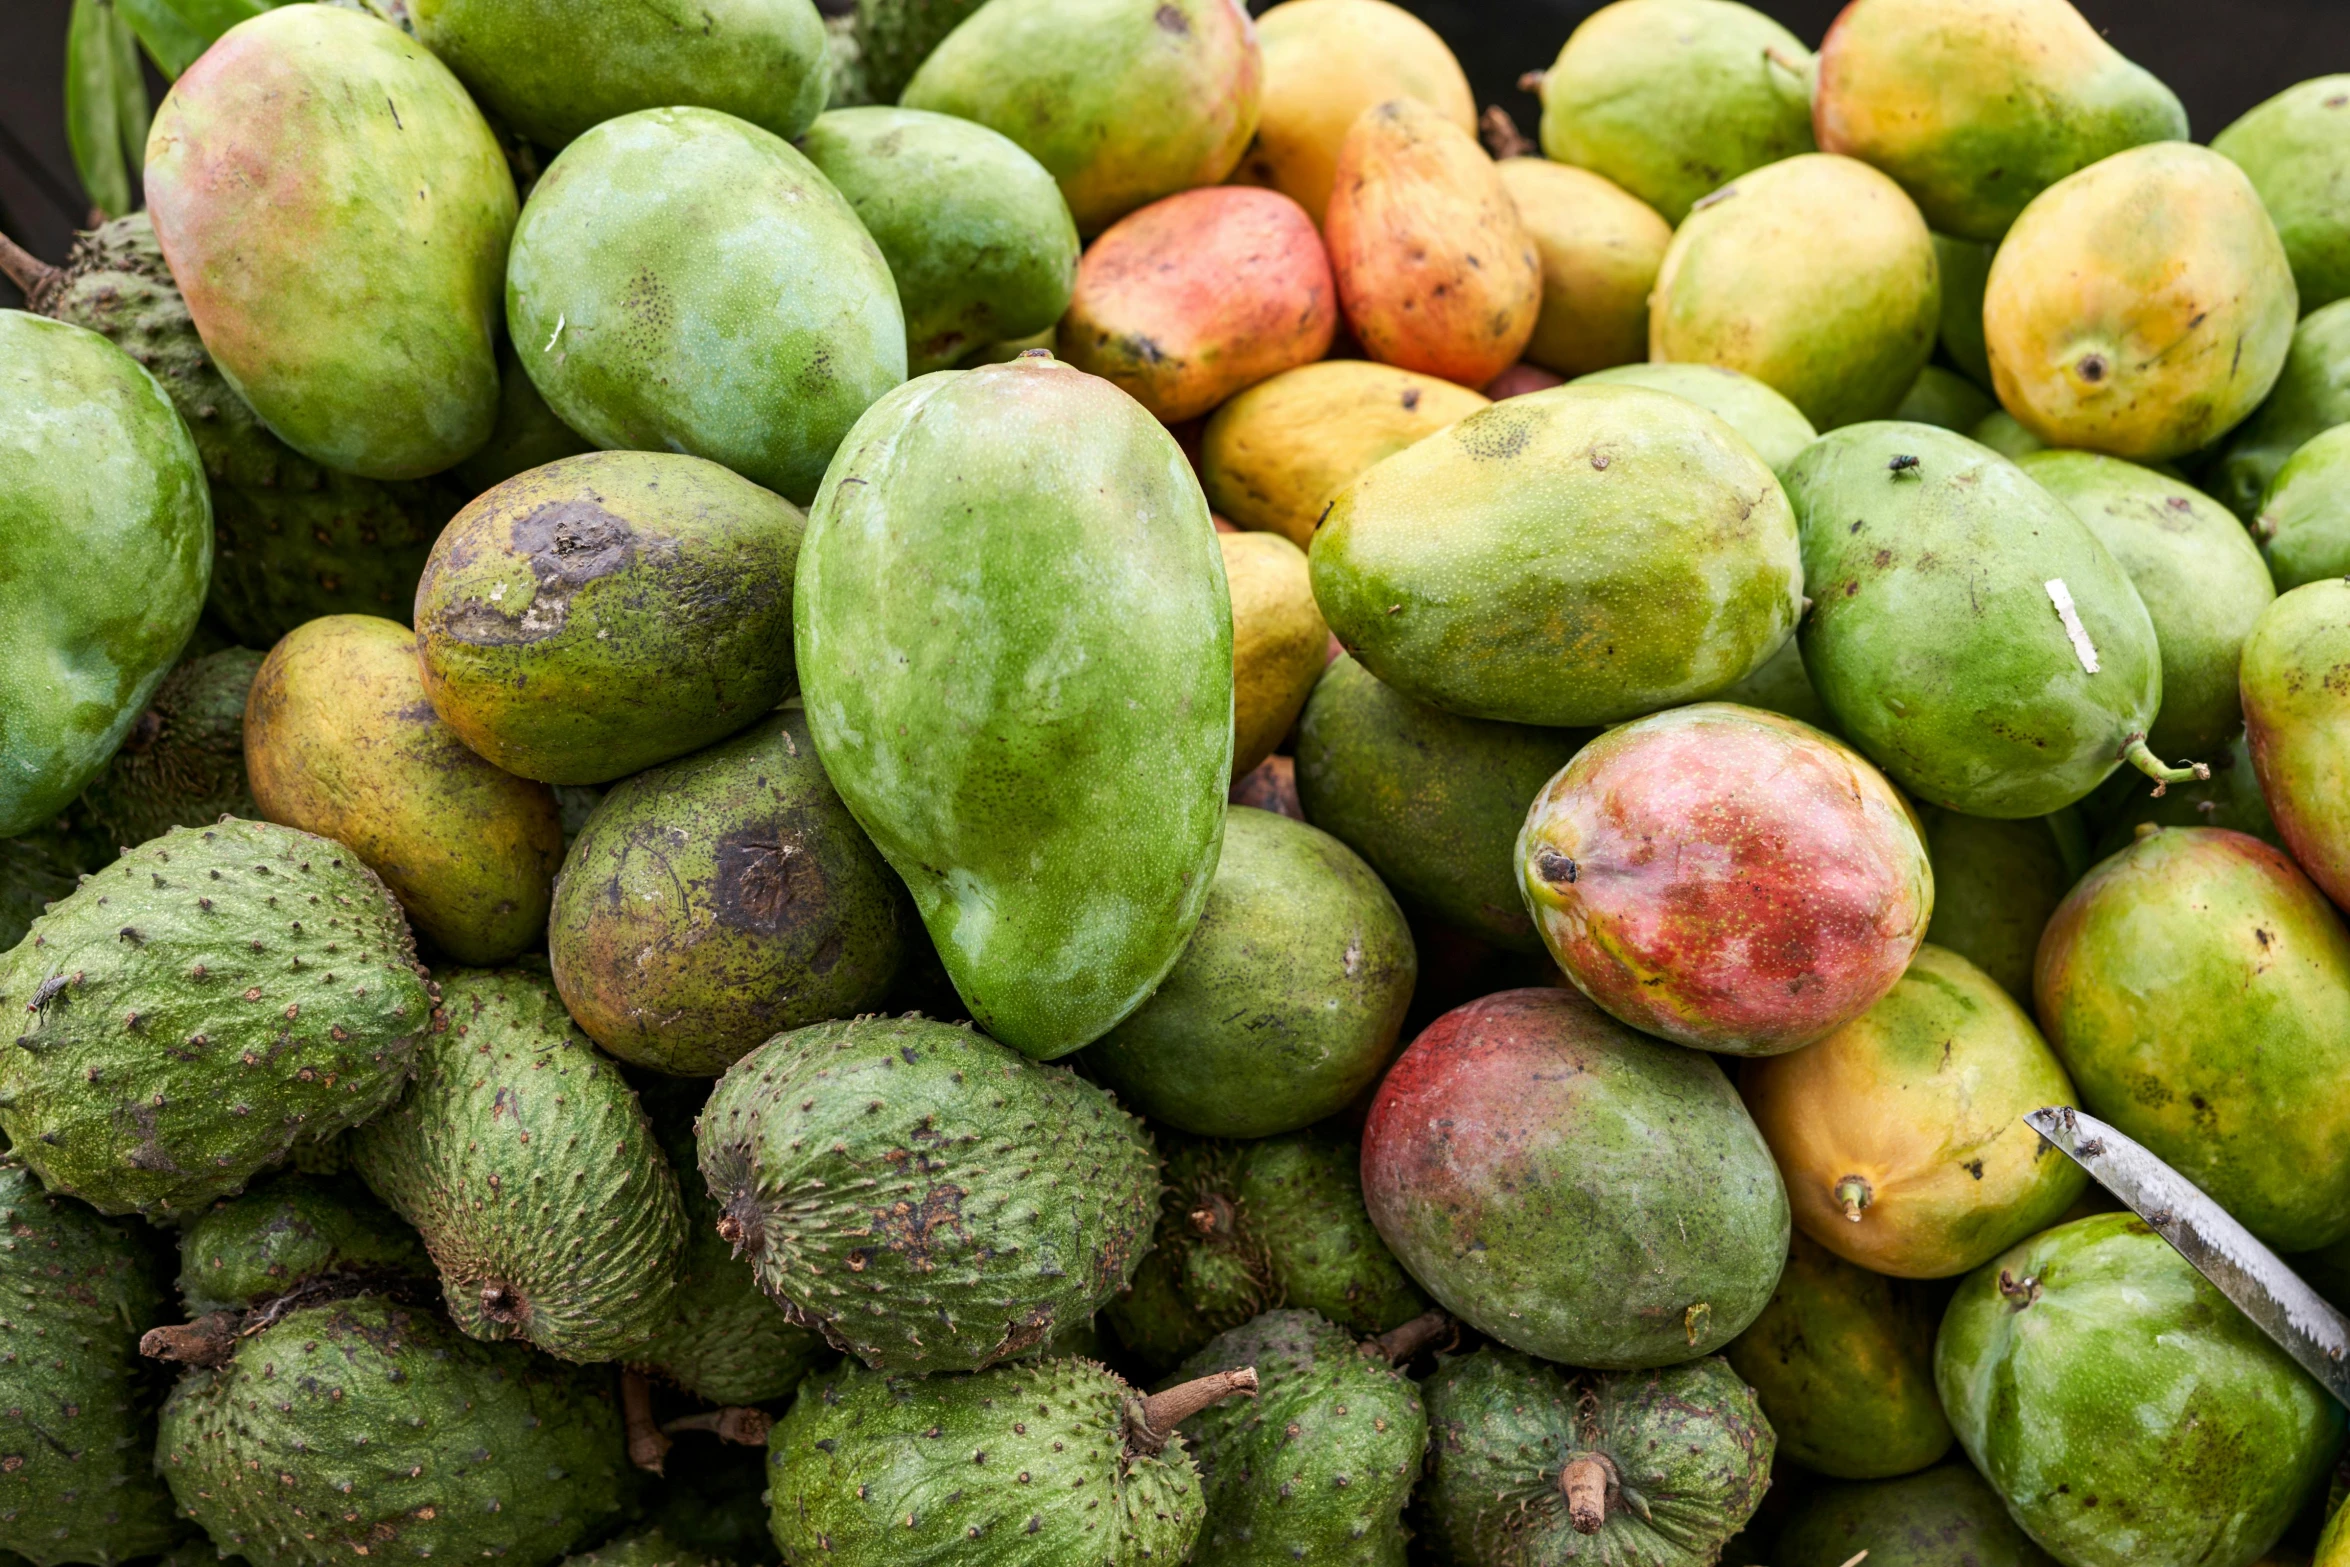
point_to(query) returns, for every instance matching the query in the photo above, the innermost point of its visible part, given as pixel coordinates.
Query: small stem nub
(2164, 775)
(1585, 1482)
(1163, 1412)
(1853, 1194)
(27, 271)
(647, 1447)
(741, 1425)
(1501, 134)
(1531, 81)
(1397, 1345)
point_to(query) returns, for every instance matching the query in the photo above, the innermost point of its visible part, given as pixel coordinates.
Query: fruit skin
(973, 682)
(1200, 295)
(605, 613)
(2141, 307)
(108, 529)
(1024, 1209)
(1945, 1517)
(2004, 435)
(1672, 98)
(290, 1233)
(527, 436)
(1687, 1450)
(1435, 269)
(183, 762)
(1993, 714)
(526, 1164)
(78, 1485)
(2197, 987)
(474, 1449)
(1979, 109)
(649, 1549)
(2094, 1362)
(975, 232)
(1062, 78)
(2311, 396)
(712, 903)
(2300, 527)
(1600, 248)
(552, 69)
(1727, 878)
(2291, 149)
(1781, 686)
(1538, 1167)
(1664, 575)
(160, 1070)
(684, 281)
(1889, 1118)
(1945, 398)
(1842, 1362)
(1432, 801)
(1274, 457)
(1773, 426)
(1815, 276)
(1966, 273)
(341, 740)
(282, 174)
(1996, 883)
(1285, 1005)
(1280, 644)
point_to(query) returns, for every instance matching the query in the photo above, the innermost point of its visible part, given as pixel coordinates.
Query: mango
(2141, 307)
(1279, 643)
(1996, 883)
(1432, 800)
(1966, 273)
(1906, 1154)
(1435, 269)
(1025, 697)
(341, 741)
(551, 69)
(1274, 457)
(604, 613)
(2005, 435)
(2297, 721)
(1326, 61)
(337, 213)
(1576, 556)
(685, 281)
(1065, 78)
(2011, 689)
(1945, 398)
(1600, 247)
(1521, 378)
(1815, 276)
(526, 436)
(1773, 426)
(1781, 686)
(1199, 296)
(1946, 1517)
(2312, 395)
(1673, 98)
(2197, 987)
(2296, 151)
(2230, 798)
(975, 232)
(1976, 109)
(2304, 525)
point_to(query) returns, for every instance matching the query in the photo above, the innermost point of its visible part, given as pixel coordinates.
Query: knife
(2223, 1251)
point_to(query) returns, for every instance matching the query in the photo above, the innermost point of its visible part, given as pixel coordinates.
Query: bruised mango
(2304, 521)
(1435, 269)
(1966, 272)
(1199, 296)
(1815, 276)
(1773, 426)
(1600, 247)
(1279, 643)
(2296, 150)
(1996, 883)
(2141, 307)
(341, 741)
(337, 212)
(2311, 396)
(2297, 720)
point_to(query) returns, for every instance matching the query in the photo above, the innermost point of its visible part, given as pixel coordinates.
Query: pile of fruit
(1034, 783)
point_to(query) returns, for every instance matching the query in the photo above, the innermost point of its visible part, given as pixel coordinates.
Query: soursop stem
(2164, 775)
(647, 1447)
(1585, 1482)
(741, 1426)
(207, 1341)
(1163, 1412)
(1853, 1194)
(1398, 1345)
(27, 271)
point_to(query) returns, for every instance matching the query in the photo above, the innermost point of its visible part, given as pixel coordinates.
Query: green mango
(1945, 398)
(1782, 686)
(2295, 152)
(554, 68)
(684, 281)
(2229, 798)
(1672, 98)
(2197, 572)
(1966, 276)
(2297, 723)
(1574, 556)
(2125, 1412)
(1025, 693)
(1773, 426)
(105, 555)
(1967, 686)
(2005, 434)
(527, 435)
(1996, 883)
(337, 213)
(2311, 396)
(1945, 1517)
(2304, 525)
(974, 230)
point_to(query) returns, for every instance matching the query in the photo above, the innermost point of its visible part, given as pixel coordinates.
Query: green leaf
(94, 104)
(177, 31)
(132, 111)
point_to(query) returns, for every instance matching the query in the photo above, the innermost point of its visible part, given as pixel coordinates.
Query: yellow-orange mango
(1199, 296)
(1273, 457)
(1326, 61)
(1435, 270)
(2141, 307)
(1279, 642)
(1601, 247)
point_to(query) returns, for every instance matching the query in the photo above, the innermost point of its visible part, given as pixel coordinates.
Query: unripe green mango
(2304, 521)
(337, 213)
(2297, 720)
(1966, 272)
(1936, 635)
(527, 436)
(1783, 686)
(2296, 148)
(1773, 426)
(1945, 1517)
(1574, 556)
(1945, 398)
(2311, 396)
(1015, 647)
(685, 281)
(2006, 435)
(1996, 883)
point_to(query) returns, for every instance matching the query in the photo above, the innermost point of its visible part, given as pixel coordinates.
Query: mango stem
(1853, 1194)
(2164, 775)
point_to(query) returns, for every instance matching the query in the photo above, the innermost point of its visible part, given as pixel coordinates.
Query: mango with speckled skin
(1279, 642)
(2296, 149)
(2311, 396)
(1600, 247)
(1773, 426)
(2298, 725)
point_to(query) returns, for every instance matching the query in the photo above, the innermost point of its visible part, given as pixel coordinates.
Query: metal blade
(2223, 1251)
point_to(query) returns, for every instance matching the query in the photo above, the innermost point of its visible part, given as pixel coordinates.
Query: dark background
(2221, 56)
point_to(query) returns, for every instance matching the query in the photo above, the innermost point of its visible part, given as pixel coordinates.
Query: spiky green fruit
(924, 1197)
(651, 1548)
(368, 1427)
(527, 1165)
(77, 1409)
(183, 763)
(291, 1234)
(214, 999)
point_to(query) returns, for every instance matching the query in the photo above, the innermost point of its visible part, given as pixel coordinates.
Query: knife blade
(2223, 1251)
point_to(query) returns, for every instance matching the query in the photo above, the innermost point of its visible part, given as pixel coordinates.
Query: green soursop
(291, 1234)
(205, 1005)
(927, 1199)
(649, 1549)
(35, 871)
(183, 763)
(524, 1160)
(366, 1428)
(77, 1405)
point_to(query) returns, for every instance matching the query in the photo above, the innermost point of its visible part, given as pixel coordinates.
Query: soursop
(183, 763)
(189, 1016)
(525, 1162)
(649, 1549)
(924, 1197)
(290, 1235)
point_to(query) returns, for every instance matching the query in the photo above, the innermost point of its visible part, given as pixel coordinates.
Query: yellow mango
(1279, 643)
(1601, 247)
